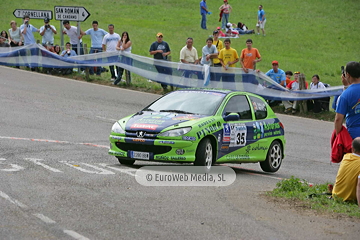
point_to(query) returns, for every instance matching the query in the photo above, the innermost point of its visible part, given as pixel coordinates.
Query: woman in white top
(15, 36)
(319, 104)
(124, 44)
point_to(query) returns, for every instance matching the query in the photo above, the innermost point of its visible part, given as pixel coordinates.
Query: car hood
(157, 121)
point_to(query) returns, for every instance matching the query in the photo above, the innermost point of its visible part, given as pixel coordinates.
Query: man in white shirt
(109, 43)
(47, 32)
(189, 55)
(71, 31)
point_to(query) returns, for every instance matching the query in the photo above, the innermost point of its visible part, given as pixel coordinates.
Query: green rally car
(203, 127)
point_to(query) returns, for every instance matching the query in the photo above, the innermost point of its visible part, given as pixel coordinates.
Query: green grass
(307, 36)
(297, 190)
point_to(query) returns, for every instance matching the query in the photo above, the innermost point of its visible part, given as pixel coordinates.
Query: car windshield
(190, 102)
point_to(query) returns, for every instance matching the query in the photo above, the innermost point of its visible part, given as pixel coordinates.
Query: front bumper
(167, 150)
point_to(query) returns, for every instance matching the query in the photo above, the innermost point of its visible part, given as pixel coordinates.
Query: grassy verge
(294, 189)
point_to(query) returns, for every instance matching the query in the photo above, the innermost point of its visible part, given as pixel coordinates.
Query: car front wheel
(125, 161)
(204, 154)
(273, 159)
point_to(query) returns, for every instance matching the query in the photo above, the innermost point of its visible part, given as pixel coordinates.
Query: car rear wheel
(125, 161)
(204, 154)
(273, 159)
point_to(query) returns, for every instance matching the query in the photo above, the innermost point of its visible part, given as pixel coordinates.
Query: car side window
(238, 104)
(259, 106)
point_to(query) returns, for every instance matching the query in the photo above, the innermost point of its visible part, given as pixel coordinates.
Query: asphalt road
(58, 182)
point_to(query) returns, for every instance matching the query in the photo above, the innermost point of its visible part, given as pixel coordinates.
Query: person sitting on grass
(290, 107)
(348, 174)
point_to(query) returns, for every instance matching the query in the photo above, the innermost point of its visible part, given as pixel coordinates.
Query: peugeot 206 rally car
(203, 127)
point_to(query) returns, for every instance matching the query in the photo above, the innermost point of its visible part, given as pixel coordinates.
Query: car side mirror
(232, 117)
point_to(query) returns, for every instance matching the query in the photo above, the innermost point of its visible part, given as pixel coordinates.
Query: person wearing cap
(27, 31)
(225, 11)
(261, 20)
(47, 32)
(221, 33)
(277, 74)
(219, 45)
(161, 50)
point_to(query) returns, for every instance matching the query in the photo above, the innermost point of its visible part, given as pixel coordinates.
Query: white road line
(109, 119)
(55, 141)
(75, 235)
(127, 171)
(37, 162)
(14, 167)
(44, 218)
(76, 166)
(14, 201)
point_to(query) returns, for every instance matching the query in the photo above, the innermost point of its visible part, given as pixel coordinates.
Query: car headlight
(175, 132)
(116, 128)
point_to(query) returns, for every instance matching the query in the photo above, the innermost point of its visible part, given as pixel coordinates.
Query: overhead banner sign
(71, 13)
(37, 14)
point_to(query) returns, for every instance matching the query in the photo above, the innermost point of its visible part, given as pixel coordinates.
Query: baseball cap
(275, 62)
(218, 28)
(296, 72)
(46, 19)
(215, 32)
(159, 34)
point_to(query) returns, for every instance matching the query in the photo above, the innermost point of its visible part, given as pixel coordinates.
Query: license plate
(140, 155)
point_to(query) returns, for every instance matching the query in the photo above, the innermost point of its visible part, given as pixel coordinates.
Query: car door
(236, 133)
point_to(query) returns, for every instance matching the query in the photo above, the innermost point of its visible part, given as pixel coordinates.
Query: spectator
(288, 75)
(209, 52)
(248, 59)
(243, 29)
(47, 32)
(27, 31)
(277, 74)
(225, 11)
(57, 49)
(249, 56)
(124, 45)
(3, 43)
(15, 36)
(216, 62)
(348, 104)
(189, 55)
(5, 36)
(316, 105)
(109, 43)
(228, 57)
(221, 33)
(348, 174)
(68, 52)
(261, 20)
(71, 31)
(161, 50)
(290, 107)
(230, 31)
(203, 12)
(97, 34)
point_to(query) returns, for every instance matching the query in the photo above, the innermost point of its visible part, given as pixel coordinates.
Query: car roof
(225, 91)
